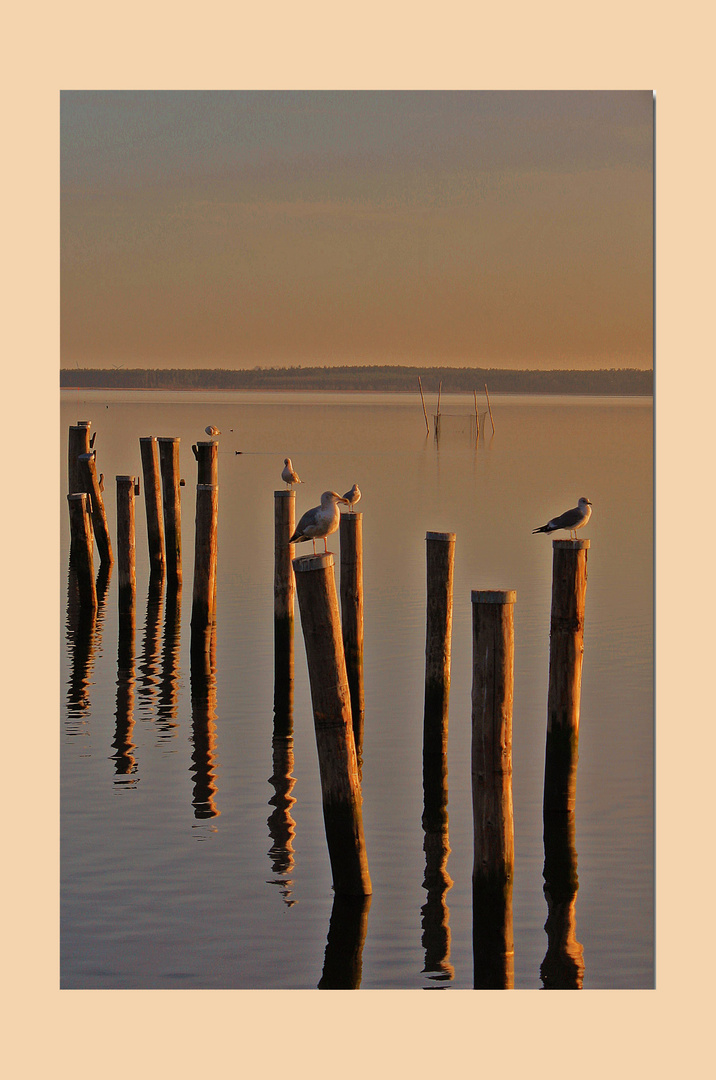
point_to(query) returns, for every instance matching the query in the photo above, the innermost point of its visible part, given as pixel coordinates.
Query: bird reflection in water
(203, 712)
(125, 762)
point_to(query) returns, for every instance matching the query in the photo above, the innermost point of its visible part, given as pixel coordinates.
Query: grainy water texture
(193, 846)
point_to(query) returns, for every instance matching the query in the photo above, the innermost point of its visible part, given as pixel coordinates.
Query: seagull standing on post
(571, 519)
(320, 521)
(212, 431)
(289, 475)
(352, 497)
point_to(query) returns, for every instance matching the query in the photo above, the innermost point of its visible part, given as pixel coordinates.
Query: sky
(260, 228)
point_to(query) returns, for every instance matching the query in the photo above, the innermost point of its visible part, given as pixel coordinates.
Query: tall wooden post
(126, 553)
(493, 828)
(207, 456)
(340, 786)
(78, 443)
(81, 545)
(284, 589)
(169, 464)
(153, 505)
(351, 539)
(566, 651)
(202, 610)
(440, 559)
(563, 965)
(90, 484)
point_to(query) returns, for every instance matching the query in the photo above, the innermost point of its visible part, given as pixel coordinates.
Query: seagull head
(584, 502)
(329, 497)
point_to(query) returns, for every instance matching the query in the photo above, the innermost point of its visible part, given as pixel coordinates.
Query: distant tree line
(619, 381)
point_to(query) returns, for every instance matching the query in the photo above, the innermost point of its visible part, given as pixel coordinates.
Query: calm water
(193, 846)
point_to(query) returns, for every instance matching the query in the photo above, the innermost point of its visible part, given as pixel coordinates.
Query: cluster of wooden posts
(334, 653)
(333, 639)
(162, 487)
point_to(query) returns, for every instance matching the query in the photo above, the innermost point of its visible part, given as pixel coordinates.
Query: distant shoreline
(395, 379)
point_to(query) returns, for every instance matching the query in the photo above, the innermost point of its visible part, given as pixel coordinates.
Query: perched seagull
(101, 481)
(320, 521)
(289, 475)
(211, 430)
(352, 497)
(572, 519)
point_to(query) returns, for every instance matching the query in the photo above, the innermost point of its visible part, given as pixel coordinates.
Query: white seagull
(211, 430)
(352, 497)
(572, 519)
(320, 521)
(289, 475)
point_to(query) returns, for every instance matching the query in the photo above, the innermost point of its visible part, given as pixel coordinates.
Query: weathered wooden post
(330, 695)
(169, 464)
(126, 553)
(563, 965)
(78, 443)
(203, 597)
(90, 484)
(351, 540)
(153, 505)
(493, 828)
(284, 589)
(440, 560)
(566, 651)
(81, 545)
(207, 456)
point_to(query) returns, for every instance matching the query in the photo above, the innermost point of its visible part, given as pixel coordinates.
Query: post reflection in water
(148, 668)
(83, 640)
(563, 965)
(125, 763)
(281, 824)
(203, 712)
(167, 703)
(437, 882)
(343, 962)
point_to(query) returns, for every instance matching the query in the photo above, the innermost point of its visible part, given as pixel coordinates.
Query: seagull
(211, 430)
(572, 519)
(352, 497)
(289, 475)
(320, 521)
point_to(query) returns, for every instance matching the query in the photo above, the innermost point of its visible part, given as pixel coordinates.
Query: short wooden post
(126, 554)
(202, 609)
(351, 591)
(566, 651)
(284, 589)
(90, 484)
(153, 505)
(79, 443)
(81, 544)
(207, 456)
(493, 827)
(440, 560)
(330, 695)
(169, 464)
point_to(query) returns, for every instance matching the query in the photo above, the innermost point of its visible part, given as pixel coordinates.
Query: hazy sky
(236, 229)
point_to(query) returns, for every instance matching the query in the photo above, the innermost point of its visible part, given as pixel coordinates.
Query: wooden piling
(153, 505)
(284, 590)
(566, 651)
(493, 827)
(351, 591)
(330, 695)
(207, 456)
(440, 560)
(169, 465)
(425, 411)
(126, 553)
(490, 408)
(477, 416)
(78, 443)
(202, 609)
(81, 544)
(90, 483)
